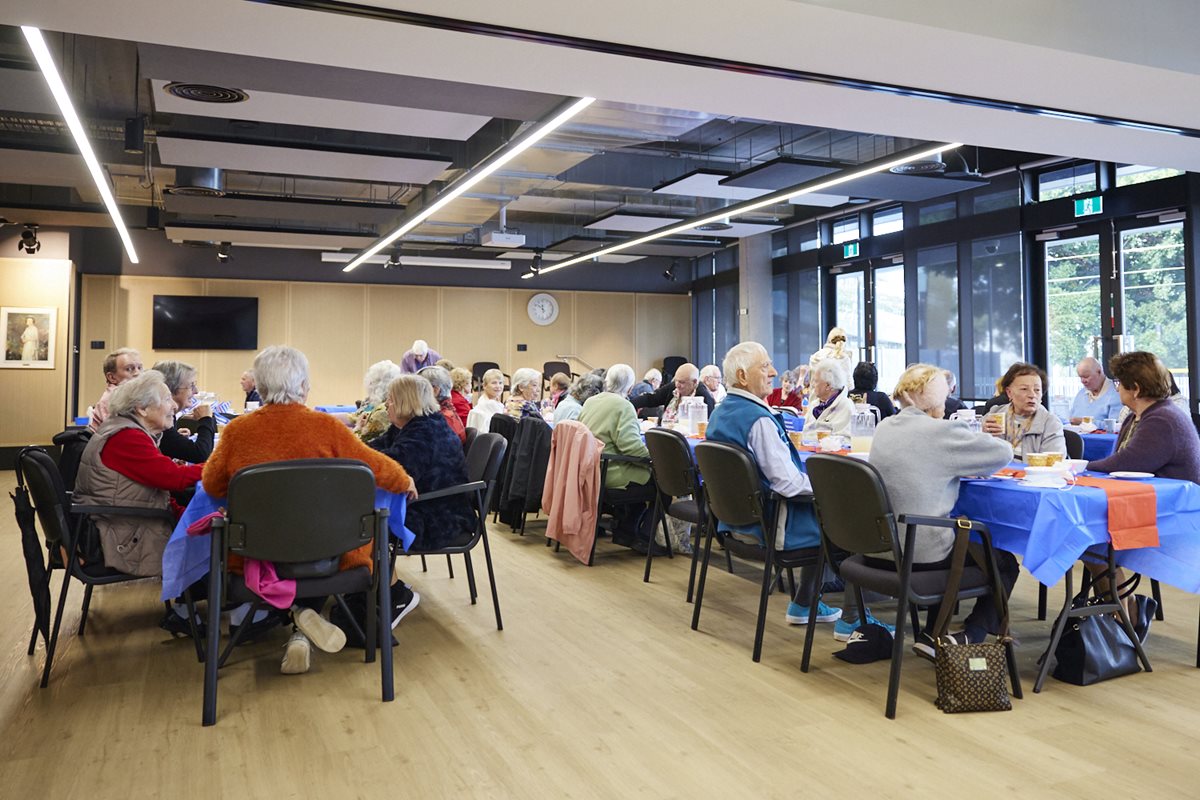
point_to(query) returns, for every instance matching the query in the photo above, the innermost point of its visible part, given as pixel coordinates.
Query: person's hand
(1076, 420)
(184, 431)
(411, 491)
(201, 411)
(991, 427)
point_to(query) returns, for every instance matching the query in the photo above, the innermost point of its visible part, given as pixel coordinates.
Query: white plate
(1131, 475)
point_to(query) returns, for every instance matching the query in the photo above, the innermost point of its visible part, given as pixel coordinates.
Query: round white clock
(542, 309)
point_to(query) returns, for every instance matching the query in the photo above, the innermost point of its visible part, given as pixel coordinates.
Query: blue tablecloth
(1098, 445)
(337, 409)
(792, 423)
(185, 559)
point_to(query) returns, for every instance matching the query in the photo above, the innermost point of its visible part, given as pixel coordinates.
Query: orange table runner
(805, 448)
(1132, 511)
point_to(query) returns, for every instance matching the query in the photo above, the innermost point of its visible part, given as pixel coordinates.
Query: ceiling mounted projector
(501, 239)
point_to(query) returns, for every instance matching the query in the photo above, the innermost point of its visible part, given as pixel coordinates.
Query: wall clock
(542, 309)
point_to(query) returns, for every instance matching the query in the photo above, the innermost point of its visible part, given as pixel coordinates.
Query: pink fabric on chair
(572, 488)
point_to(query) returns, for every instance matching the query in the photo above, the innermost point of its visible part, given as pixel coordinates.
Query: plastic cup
(252, 405)
(797, 439)
(822, 435)
(701, 429)
(1037, 459)
(1110, 425)
(1054, 458)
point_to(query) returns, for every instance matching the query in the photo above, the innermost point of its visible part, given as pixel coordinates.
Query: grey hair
(525, 376)
(741, 356)
(138, 393)
(830, 370)
(619, 379)
(652, 375)
(176, 374)
(585, 386)
(282, 375)
(249, 373)
(710, 370)
(788, 376)
(379, 376)
(439, 379)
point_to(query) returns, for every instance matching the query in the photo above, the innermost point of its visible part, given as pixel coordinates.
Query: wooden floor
(596, 688)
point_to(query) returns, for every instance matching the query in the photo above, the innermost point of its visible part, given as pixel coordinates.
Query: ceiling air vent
(199, 182)
(722, 225)
(206, 92)
(928, 166)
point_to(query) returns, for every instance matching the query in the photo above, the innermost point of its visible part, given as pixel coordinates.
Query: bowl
(1076, 465)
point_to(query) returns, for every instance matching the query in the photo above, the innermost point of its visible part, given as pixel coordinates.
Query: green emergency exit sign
(850, 250)
(1087, 206)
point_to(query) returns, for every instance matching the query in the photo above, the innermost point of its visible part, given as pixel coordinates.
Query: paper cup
(1037, 459)
(1054, 458)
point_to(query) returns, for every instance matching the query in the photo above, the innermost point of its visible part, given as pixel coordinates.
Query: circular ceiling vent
(206, 92)
(198, 182)
(714, 226)
(928, 166)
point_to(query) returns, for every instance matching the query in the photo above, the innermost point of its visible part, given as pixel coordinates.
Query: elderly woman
(830, 408)
(284, 429)
(835, 348)
(584, 387)
(488, 401)
(612, 420)
(560, 382)
(927, 484)
(1028, 426)
(526, 389)
(175, 442)
(866, 383)
(439, 379)
(788, 394)
(370, 420)
(460, 387)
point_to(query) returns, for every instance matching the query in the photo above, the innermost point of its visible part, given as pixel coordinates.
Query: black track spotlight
(29, 241)
(393, 261)
(669, 272)
(536, 266)
(223, 251)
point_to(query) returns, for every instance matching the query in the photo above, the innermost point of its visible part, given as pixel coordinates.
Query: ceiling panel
(661, 247)
(707, 183)
(43, 169)
(282, 208)
(780, 172)
(262, 238)
(738, 230)
(911, 188)
(624, 221)
(561, 205)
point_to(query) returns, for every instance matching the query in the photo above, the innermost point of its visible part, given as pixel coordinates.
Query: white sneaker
(297, 655)
(323, 633)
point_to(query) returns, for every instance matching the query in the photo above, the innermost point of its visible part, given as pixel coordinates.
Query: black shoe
(254, 630)
(1146, 606)
(643, 545)
(404, 600)
(177, 626)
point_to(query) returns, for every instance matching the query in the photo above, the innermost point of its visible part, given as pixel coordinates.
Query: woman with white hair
(285, 429)
(439, 379)
(612, 420)
(569, 407)
(830, 409)
(488, 401)
(176, 442)
(526, 389)
(419, 356)
(370, 420)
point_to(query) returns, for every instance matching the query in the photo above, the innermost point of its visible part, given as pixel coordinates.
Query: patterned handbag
(970, 677)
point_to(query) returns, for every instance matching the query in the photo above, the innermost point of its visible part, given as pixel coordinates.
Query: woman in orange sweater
(284, 428)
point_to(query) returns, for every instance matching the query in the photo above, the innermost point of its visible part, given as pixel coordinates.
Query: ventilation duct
(199, 181)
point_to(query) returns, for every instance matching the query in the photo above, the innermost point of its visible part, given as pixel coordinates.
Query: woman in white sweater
(830, 408)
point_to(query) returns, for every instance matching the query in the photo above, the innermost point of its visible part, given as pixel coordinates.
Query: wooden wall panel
(664, 328)
(97, 323)
(605, 327)
(220, 370)
(544, 342)
(476, 327)
(135, 315)
(327, 322)
(397, 315)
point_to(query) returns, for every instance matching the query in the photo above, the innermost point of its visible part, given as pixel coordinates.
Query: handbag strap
(958, 557)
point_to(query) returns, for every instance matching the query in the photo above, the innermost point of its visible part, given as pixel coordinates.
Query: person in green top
(612, 419)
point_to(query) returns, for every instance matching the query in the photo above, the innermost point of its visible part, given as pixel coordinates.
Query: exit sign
(1086, 206)
(851, 250)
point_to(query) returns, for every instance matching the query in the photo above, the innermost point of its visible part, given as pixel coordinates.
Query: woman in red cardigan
(789, 394)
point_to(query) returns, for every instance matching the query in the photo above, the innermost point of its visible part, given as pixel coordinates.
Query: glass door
(869, 305)
(1153, 300)
(850, 294)
(1073, 315)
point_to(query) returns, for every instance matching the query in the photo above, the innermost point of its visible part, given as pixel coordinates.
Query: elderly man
(649, 383)
(250, 387)
(687, 383)
(710, 376)
(745, 420)
(119, 366)
(418, 357)
(1098, 398)
(952, 403)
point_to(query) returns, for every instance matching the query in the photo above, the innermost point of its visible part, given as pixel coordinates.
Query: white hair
(420, 347)
(710, 370)
(379, 376)
(743, 356)
(439, 378)
(282, 375)
(652, 375)
(525, 376)
(830, 370)
(137, 393)
(619, 379)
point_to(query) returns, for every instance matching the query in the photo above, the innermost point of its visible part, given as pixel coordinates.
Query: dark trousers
(631, 506)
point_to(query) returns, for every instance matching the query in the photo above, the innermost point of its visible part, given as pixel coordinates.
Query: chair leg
(33, 637)
(87, 602)
(1156, 591)
(897, 653)
(811, 626)
(384, 638)
(660, 518)
(62, 601)
(1041, 601)
(769, 568)
(211, 661)
(424, 566)
(487, 557)
(791, 573)
(729, 560)
(236, 638)
(191, 608)
(1060, 624)
(703, 573)
(450, 566)
(1013, 675)
(915, 614)
(470, 575)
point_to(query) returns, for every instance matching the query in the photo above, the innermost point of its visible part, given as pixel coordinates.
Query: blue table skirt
(337, 409)
(1098, 445)
(185, 559)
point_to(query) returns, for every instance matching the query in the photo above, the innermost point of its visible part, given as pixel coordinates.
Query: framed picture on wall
(28, 337)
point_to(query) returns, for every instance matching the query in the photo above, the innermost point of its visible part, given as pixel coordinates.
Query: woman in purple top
(1157, 436)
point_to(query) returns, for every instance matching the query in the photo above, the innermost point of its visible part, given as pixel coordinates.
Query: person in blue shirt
(1097, 398)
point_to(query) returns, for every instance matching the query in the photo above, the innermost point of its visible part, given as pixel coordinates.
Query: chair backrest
(303, 510)
(470, 440)
(670, 364)
(671, 462)
(480, 367)
(731, 484)
(72, 442)
(551, 367)
(787, 411)
(1074, 444)
(47, 494)
(852, 504)
(484, 462)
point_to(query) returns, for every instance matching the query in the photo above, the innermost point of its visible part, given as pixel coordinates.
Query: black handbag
(1094, 649)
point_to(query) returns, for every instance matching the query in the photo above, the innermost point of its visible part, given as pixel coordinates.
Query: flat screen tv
(183, 322)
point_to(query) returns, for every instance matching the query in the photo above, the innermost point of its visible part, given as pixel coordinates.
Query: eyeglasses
(195, 388)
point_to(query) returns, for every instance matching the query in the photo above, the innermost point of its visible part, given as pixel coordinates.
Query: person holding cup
(1023, 421)
(175, 441)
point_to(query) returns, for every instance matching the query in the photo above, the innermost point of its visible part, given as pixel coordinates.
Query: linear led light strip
(467, 181)
(50, 72)
(750, 205)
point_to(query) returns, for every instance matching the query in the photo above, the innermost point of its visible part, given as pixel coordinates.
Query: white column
(755, 322)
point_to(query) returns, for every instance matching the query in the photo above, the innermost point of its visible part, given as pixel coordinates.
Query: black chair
(64, 526)
(71, 443)
(549, 369)
(607, 502)
(670, 365)
(676, 475)
(470, 440)
(301, 515)
(483, 465)
(1074, 444)
(734, 495)
(480, 367)
(856, 517)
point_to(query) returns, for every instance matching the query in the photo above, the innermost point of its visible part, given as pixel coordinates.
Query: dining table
(1097, 445)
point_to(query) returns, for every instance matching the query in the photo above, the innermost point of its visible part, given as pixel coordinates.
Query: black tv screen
(183, 322)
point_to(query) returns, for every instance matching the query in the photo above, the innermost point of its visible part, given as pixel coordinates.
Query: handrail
(577, 358)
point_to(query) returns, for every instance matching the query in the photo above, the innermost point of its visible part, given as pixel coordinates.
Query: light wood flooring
(596, 688)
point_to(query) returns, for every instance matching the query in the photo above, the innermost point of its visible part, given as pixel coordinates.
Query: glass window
(1152, 283)
(1077, 179)
(1129, 174)
(779, 320)
(887, 220)
(807, 325)
(889, 326)
(1073, 311)
(937, 212)
(937, 306)
(725, 260)
(995, 201)
(779, 244)
(725, 327)
(803, 238)
(850, 294)
(845, 229)
(998, 305)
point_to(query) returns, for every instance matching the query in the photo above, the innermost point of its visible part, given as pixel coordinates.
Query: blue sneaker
(843, 629)
(798, 614)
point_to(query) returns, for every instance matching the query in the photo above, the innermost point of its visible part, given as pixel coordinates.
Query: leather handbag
(970, 677)
(1094, 649)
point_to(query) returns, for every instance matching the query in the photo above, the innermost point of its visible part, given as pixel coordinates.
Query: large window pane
(850, 290)
(1072, 310)
(998, 305)
(937, 212)
(1152, 282)
(1078, 179)
(887, 220)
(779, 320)
(1129, 174)
(889, 326)
(937, 306)
(845, 229)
